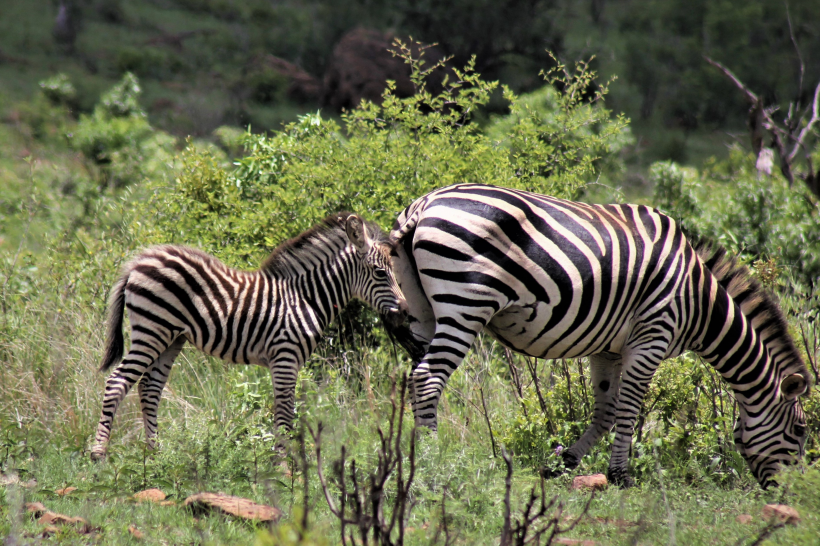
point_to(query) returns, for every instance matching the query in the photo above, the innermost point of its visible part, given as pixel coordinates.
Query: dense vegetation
(198, 59)
(88, 177)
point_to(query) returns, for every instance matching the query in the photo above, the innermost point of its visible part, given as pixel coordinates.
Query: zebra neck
(739, 353)
(324, 288)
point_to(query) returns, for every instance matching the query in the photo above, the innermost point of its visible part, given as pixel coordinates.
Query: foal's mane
(285, 258)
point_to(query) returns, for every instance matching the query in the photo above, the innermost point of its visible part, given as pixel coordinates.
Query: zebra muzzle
(395, 317)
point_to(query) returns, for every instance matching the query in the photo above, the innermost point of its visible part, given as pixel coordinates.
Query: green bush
(119, 141)
(755, 215)
(386, 156)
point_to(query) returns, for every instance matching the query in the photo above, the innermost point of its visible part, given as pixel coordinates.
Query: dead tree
(791, 139)
(540, 519)
(362, 501)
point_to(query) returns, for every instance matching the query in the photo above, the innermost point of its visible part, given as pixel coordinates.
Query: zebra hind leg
(151, 386)
(125, 374)
(638, 368)
(605, 372)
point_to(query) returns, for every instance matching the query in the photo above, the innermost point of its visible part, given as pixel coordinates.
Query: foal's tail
(116, 306)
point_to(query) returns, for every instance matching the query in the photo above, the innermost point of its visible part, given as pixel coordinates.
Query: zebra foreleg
(117, 385)
(151, 386)
(447, 349)
(283, 375)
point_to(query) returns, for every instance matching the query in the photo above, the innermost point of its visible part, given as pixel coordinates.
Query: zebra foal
(621, 284)
(271, 317)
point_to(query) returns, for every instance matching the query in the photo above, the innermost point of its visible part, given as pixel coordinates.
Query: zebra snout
(395, 317)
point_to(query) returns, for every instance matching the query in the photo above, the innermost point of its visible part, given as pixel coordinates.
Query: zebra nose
(395, 317)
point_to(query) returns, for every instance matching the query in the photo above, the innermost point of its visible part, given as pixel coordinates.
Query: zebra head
(375, 283)
(774, 437)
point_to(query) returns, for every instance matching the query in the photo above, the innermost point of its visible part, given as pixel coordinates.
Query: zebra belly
(515, 328)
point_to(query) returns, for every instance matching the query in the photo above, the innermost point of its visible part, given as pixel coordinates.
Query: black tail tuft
(114, 344)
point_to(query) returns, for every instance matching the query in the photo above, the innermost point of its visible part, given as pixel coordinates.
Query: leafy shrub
(386, 156)
(118, 139)
(59, 90)
(752, 214)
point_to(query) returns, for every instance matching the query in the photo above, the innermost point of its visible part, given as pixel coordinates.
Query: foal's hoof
(621, 478)
(97, 456)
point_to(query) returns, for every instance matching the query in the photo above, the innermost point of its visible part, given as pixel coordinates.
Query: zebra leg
(144, 351)
(151, 386)
(638, 368)
(283, 374)
(448, 348)
(605, 372)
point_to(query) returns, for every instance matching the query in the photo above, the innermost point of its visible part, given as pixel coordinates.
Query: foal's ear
(357, 233)
(793, 386)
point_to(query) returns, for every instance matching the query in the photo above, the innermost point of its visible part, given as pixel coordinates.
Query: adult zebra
(618, 283)
(272, 317)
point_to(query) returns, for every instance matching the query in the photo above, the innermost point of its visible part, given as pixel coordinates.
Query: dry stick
(518, 390)
(811, 354)
(487, 418)
(532, 366)
(583, 385)
(306, 494)
(505, 530)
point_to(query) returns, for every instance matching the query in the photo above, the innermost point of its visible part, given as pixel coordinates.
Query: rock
(744, 519)
(150, 495)
(136, 533)
(234, 506)
(13, 479)
(167, 503)
(781, 513)
(596, 482)
(53, 518)
(361, 64)
(301, 86)
(65, 491)
(36, 509)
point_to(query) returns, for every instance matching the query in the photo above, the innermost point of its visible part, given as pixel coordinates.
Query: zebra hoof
(97, 455)
(571, 461)
(620, 477)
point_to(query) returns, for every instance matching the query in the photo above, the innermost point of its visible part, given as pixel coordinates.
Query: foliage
(387, 155)
(730, 203)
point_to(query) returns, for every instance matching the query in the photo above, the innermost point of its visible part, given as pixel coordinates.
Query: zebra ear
(793, 386)
(357, 233)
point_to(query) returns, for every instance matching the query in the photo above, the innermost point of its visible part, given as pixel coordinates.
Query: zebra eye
(799, 430)
(380, 273)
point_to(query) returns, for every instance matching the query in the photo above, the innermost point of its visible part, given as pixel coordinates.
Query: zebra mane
(754, 300)
(287, 257)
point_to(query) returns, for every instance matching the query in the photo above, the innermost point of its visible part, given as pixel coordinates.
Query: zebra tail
(114, 343)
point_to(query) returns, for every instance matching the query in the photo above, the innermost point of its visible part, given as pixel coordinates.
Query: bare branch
(796, 48)
(754, 99)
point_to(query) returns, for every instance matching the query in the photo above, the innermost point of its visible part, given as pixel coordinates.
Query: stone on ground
(744, 519)
(781, 513)
(151, 495)
(65, 491)
(234, 506)
(596, 482)
(136, 533)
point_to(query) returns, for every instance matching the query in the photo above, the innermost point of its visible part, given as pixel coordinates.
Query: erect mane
(285, 258)
(754, 301)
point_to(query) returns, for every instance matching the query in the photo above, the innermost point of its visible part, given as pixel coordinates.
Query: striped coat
(619, 283)
(272, 317)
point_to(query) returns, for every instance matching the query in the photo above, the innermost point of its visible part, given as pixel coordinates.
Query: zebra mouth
(395, 316)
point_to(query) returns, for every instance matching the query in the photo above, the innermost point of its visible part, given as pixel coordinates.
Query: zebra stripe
(271, 317)
(619, 283)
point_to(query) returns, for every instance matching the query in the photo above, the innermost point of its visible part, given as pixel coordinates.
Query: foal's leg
(145, 350)
(151, 386)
